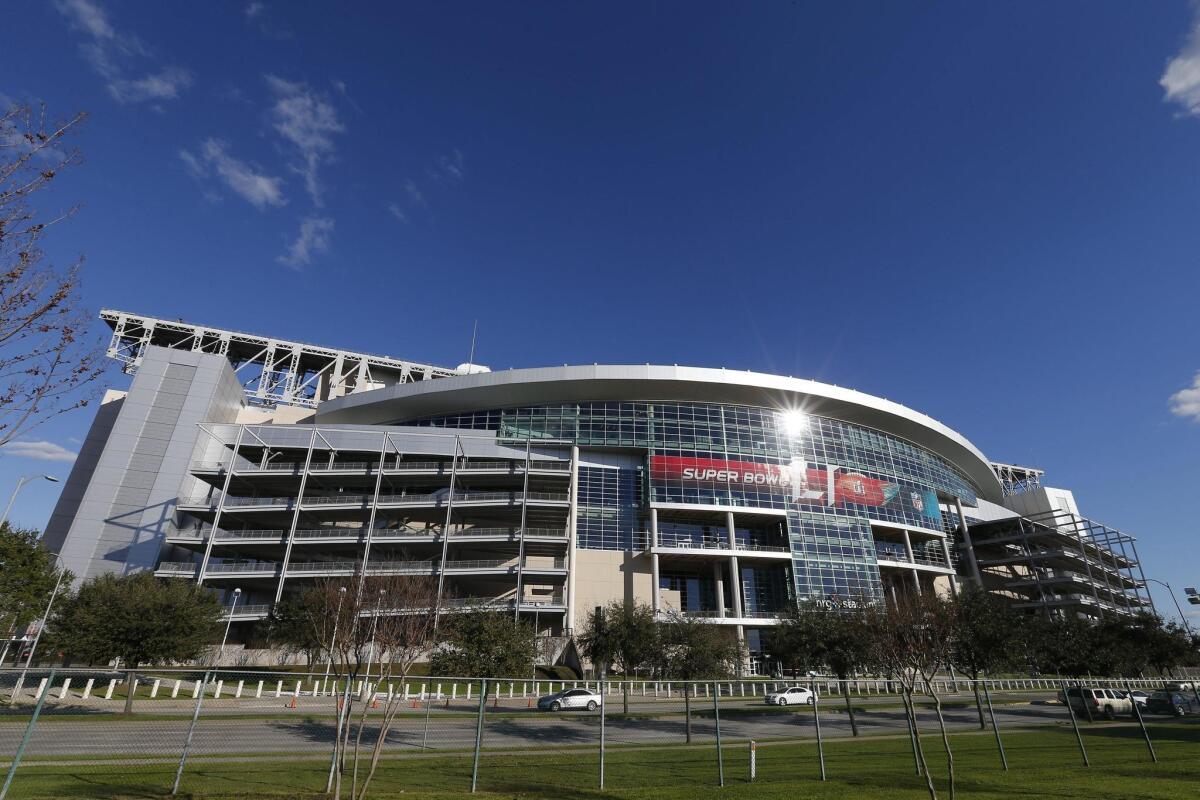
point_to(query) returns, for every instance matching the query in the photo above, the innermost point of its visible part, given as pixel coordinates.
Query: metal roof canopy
(659, 383)
(272, 371)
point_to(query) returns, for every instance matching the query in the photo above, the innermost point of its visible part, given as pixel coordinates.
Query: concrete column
(912, 560)
(949, 563)
(719, 579)
(654, 527)
(735, 574)
(655, 590)
(735, 590)
(572, 516)
(962, 520)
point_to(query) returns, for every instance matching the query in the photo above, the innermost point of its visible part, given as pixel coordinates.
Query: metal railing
(680, 543)
(931, 558)
(178, 567)
(363, 500)
(422, 567)
(269, 534)
(441, 467)
(255, 567)
(249, 610)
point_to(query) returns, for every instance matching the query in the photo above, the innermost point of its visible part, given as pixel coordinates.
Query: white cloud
(256, 188)
(397, 212)
(450, 166)
(414, 194)
(313, 238)
(87, 17)
(164, 85)
(307, 121)
(195, 166)
(1181, 79)
(258, 15)
(39, 450)
(110, 52)
(1186, 402)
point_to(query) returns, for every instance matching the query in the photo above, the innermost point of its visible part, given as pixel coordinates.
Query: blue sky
(987, 212)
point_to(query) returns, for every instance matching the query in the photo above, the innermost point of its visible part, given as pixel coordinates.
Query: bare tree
(46, 365)
(403, 632)
(374, 629)
(912, 640)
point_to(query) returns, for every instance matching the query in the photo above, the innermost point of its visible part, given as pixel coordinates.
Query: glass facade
(610, 499)
(827, 478)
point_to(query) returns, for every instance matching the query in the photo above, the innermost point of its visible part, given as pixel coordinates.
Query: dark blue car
(1175, 704)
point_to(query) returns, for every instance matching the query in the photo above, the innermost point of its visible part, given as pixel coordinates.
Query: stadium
(244, 462)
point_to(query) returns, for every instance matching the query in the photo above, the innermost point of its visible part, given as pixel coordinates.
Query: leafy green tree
(809, 637)
(986, 636)
(622, 635)
(137, 619)
(695, 650)
(27, 578)
(1130, 645)
(1062, 645)
(484, 644)
(290, 624)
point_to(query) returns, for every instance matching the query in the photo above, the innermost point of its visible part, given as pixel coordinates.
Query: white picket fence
(283, 686)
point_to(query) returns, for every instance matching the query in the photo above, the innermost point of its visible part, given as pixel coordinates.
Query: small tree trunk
(687, 712)
(978, 702)
(911, 710)
(129, 679)
(389, 715)
(849, 705)
(625, 696)
(937, 705)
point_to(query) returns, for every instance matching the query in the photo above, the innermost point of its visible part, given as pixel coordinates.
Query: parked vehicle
(1099, 702)
(1137, 696)
(571, 699)
(791, 696)
(1174, 704)
(1181, 686)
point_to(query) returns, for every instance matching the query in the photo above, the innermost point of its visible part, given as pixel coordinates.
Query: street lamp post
(42, 625)
(1171, 592)
(20, 485)
(221, 653)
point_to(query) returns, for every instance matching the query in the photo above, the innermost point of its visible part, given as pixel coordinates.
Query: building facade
(705, 492)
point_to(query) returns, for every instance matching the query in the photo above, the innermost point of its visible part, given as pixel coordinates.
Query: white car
(791, 696)
(570, 698)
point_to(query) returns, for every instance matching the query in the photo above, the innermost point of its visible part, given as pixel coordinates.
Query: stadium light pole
(20, 485)
(221, 653)
(1175, 600)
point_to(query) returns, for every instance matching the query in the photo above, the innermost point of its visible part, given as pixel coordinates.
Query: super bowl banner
(828, 486)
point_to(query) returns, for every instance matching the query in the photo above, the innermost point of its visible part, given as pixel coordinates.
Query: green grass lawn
(1044, 764)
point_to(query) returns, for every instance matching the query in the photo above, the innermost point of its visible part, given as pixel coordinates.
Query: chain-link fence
(98, 733)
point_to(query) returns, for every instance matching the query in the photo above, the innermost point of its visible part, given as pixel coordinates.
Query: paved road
(300, 734)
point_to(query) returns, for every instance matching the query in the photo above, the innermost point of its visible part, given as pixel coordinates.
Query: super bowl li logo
(917, 500)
